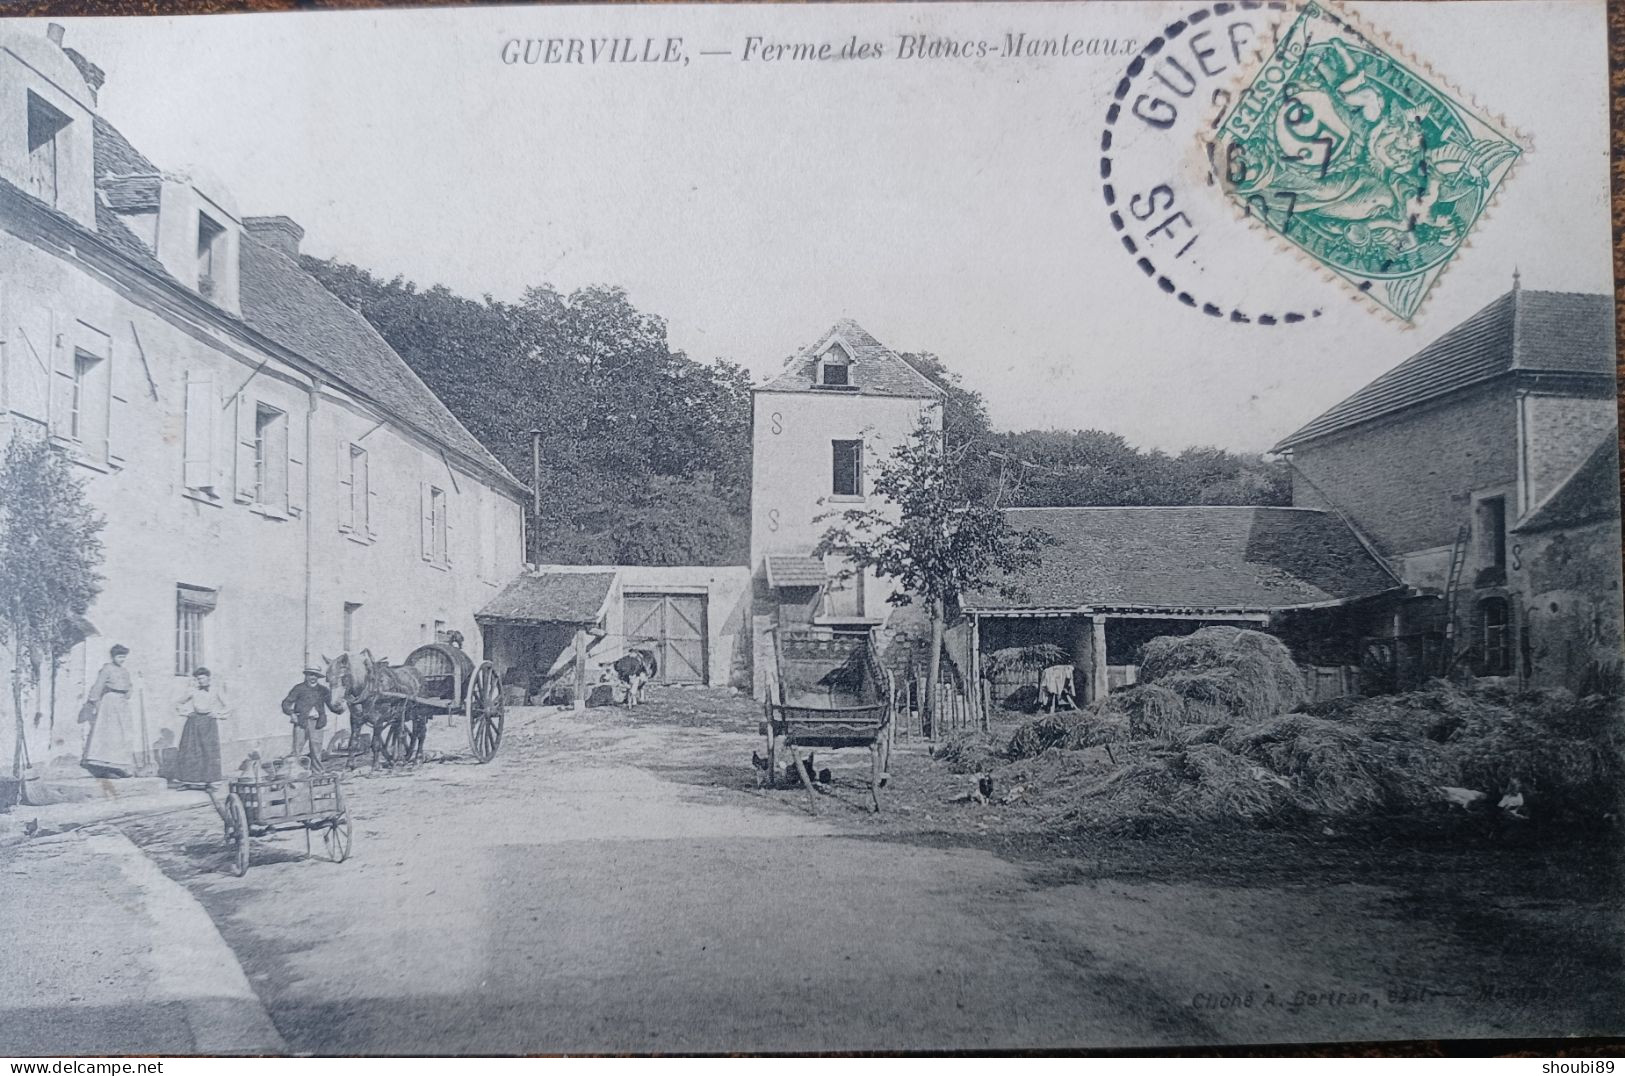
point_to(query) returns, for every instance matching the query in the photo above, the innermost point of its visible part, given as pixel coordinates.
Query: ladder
(1452, 590)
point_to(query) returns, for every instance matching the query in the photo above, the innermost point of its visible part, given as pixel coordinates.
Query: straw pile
(1218, 734)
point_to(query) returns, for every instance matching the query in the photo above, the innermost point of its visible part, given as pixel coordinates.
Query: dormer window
(45, 125)
(211, 240)
(835, 369)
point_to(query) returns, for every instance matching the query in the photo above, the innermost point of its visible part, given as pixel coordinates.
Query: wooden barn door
(673, 626)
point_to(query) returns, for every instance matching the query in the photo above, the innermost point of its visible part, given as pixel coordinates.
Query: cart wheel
(484, 710)
(336, 839)
(237, 825)
(392, 742)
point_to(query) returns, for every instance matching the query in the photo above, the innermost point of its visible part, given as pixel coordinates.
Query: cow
(1055, 686)
(635, 670)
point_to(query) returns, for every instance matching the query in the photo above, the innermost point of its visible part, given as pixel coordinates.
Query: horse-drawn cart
(265, 803)
(452, 684)
(833, 693)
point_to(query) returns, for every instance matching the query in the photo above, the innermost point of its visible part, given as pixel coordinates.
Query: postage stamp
(1360, 159)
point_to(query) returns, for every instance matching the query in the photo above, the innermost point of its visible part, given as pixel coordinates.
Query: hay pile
(1218, 735)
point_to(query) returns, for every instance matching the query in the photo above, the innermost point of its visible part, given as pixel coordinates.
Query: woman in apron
(112, 745)
(197, 759)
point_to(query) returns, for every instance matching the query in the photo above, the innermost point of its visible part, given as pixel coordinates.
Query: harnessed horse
(357, 681)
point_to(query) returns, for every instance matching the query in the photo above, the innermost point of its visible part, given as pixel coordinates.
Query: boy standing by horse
(307, 704)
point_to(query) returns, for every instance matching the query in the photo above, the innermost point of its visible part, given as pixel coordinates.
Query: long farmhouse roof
(877, 370)
(1195, 558)
(282, 303)
(1536, 331)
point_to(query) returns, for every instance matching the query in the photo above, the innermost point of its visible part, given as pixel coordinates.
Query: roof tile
(877, 370)
(1522, 330)
(1197, 557)
(550, 597)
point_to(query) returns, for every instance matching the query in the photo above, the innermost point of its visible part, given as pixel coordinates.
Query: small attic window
(210, 241)
(44, 124)
(835, 369)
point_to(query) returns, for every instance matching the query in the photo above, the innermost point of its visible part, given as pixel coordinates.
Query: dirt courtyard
(615, 881)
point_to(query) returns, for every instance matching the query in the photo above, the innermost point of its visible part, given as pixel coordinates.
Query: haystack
(1249, 674)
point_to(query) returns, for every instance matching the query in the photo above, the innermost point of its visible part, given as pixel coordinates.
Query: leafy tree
(930, 538)
(50, 549)
(645, 452)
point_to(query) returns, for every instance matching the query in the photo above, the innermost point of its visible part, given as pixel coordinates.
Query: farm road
(613, 882)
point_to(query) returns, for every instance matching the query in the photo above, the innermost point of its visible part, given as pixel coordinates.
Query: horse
(356, 681)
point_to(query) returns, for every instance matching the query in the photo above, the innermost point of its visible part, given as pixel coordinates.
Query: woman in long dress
(113, 743)
(197, 759)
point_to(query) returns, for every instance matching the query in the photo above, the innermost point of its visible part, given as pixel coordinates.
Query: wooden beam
(1099, 686)
(581, 668)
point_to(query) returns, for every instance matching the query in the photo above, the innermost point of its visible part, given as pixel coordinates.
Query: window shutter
(61, 360)
(450, 501)
(197, 453)
(247, 480)
(119, 379)
(28, 364)
(297, 418)
(372, 497)
(427, 520)
(347, 520)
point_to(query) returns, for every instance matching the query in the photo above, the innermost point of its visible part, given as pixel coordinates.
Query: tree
(932, 540)
(50, 549)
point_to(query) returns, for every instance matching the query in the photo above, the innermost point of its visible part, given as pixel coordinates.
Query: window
(192, 608)
(843, 598)
(270, 457)
(355, 492)
(836, 373)
(1495, 637)
(350, 610)
(437, 525)
(44, 124)
(440, 633)
(1492, 531)
(211, 237)
(81, 412)
(847, 480)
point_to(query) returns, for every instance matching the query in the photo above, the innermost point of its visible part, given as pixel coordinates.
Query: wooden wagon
(267, 803)
(452, 684)
(830, 692)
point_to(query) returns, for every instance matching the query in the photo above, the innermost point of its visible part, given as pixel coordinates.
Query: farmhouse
(276, 481)
(1484, 471)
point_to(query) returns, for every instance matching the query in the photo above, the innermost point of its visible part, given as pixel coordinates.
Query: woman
(197, 760)
(111, 747)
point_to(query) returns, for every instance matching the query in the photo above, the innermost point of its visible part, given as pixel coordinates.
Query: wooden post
(1099, 687)
(976, 670)
(581, 669)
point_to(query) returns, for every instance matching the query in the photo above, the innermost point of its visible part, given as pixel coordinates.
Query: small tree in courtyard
(50, 548)
(935, 540)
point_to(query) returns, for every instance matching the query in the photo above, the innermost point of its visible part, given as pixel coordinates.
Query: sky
(951, 206)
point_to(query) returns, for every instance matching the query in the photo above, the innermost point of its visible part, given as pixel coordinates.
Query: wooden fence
(957, 710)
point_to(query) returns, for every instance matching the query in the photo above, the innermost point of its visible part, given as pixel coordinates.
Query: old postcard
(806, 528)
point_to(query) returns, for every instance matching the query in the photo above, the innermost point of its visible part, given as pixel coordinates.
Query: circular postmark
(1166, 203)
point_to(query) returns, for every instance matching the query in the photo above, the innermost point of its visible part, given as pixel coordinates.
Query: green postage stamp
(1360, 160)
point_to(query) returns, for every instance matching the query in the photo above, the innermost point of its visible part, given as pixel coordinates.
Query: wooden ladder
(1452, 591)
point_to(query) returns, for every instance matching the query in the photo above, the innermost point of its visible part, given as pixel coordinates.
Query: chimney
(94, 76)
(279, 233)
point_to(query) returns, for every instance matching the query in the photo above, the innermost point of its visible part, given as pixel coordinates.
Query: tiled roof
(1191, 558)
(114, 156)
(291, 307)
(1551, 331)
(877, 370)
(1589, 494)
(550, 597)
(793, 571)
